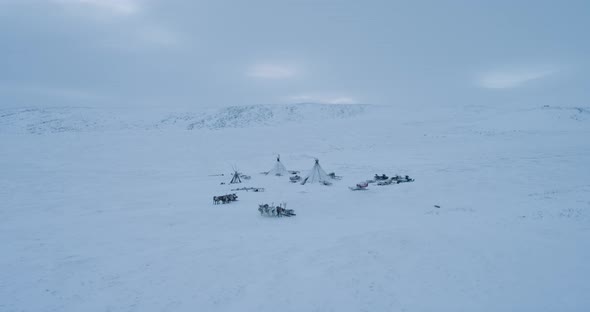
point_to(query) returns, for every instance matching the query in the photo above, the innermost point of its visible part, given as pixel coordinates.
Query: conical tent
(317, 174)
(278, 169)
(236, 178)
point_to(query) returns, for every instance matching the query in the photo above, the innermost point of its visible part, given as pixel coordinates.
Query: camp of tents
(318, 175)
(315, 175)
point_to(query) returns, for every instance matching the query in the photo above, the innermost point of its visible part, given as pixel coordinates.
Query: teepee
(236, 178)
(278, 169)
(317, 174)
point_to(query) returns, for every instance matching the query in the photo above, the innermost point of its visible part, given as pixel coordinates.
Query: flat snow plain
(111, 210)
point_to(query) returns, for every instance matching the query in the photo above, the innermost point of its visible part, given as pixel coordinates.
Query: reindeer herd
(276, 211)
(224, 199)
(264, 209)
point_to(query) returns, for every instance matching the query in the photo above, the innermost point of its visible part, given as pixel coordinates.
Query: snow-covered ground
(111, 210)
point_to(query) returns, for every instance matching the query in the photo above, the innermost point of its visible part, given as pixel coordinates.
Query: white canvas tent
(278, 169)
(317, 175)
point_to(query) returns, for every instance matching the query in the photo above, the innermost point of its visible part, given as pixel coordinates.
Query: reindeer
(224, 199)
(278, 211)
(263, 208)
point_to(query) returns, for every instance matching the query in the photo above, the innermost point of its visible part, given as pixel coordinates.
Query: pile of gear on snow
(385, 180)
(294, 179)
(381, 180)
(247, 189)
(275, 211)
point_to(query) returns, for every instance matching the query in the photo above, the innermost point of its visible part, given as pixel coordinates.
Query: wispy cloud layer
(119, 7)
(131, 26)
(344, 52)
(143, 36)
(507, 79)
(58, 92)
(273, 71)
(321, 99)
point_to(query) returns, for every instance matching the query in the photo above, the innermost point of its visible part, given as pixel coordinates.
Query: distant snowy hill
(256, 115)
(80, 119)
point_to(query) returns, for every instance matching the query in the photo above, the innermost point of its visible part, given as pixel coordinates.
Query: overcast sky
(191, 53)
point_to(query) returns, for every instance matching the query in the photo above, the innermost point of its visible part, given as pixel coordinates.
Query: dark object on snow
(400, 179)
(293, 172)
(396, 180)
(224, 199)
(245, 177)
(334, 176)
(294, 178)
(359, 186)
(276, 211)
(235, 178)
(381, 177)
(436, 206)
(254, 189)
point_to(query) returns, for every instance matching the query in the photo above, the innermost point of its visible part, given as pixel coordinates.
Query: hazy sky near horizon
(184, 53)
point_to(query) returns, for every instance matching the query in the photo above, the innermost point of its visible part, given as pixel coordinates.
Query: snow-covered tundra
(112, 210)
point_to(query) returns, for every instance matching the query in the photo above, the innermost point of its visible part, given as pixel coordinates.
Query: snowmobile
(381, 177)
(400, 179)
(359, 186)
(334, 176)
(396, 180)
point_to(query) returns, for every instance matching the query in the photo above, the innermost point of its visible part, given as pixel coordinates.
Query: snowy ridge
(257, 115)
(576, 112)
(81, 119)
(59, 119)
